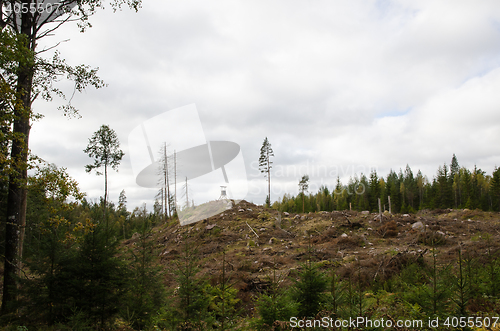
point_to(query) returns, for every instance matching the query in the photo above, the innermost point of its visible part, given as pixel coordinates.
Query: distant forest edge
(452, 187)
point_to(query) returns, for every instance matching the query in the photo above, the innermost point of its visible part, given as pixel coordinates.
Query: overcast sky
(338, 87)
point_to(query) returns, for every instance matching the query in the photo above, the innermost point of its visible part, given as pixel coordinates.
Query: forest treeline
(74, 268)
(79, 273)
(453, 186)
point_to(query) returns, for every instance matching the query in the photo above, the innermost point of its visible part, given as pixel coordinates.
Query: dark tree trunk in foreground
(16, 200)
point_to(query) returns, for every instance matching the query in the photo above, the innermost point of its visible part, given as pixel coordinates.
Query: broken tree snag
(379, 211)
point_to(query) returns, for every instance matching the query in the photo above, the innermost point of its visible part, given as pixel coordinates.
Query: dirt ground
(255, 239)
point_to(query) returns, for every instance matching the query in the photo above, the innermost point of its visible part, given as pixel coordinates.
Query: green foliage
(308, 290)
(104, 147)
(303, 186)
(336, 297)
(26, 76)
(275, 304)
(222, 298)
(429, 287)
(461, 285)
(265, 166)
(52, 239)
(95, 278)
(495, 189)
(223, 303)
(145, 294)
(452, 187)
(264, 216)
(191, 299)
(274, 308)
(77, 275)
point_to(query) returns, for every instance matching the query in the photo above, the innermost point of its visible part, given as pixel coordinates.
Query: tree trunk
(167, 184)
(105, 186)
(105, 219)
(303, 202)
(17, 194)
(269, 178)
(175, 183)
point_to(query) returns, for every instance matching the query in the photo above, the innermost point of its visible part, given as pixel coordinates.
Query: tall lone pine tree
(104, 147)
(303, 186)
(265, 165)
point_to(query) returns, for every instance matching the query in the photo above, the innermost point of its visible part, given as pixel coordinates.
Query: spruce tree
(393, 184)
(410, 188)
(375, 190)
(421, 180)
(274, 304)
(461, 285)
(337, 295)
(495, 189)
(52, 238)
(223, 298)
(192, 302)
(455, 180)
(145, 293)
(308, 290)
(91, 281)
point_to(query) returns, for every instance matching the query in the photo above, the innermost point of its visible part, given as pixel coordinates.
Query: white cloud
(347, 84)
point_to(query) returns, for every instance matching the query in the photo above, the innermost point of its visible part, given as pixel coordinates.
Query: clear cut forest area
(427, 259)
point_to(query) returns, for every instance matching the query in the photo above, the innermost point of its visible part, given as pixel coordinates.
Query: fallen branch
(252, 229)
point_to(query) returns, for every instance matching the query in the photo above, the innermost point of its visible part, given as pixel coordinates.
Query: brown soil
(255, 240)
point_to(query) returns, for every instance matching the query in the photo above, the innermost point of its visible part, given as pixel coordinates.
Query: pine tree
(265, 166)
(104, 147)
(303, 186)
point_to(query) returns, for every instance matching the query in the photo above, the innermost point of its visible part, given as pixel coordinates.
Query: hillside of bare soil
(255, 238)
